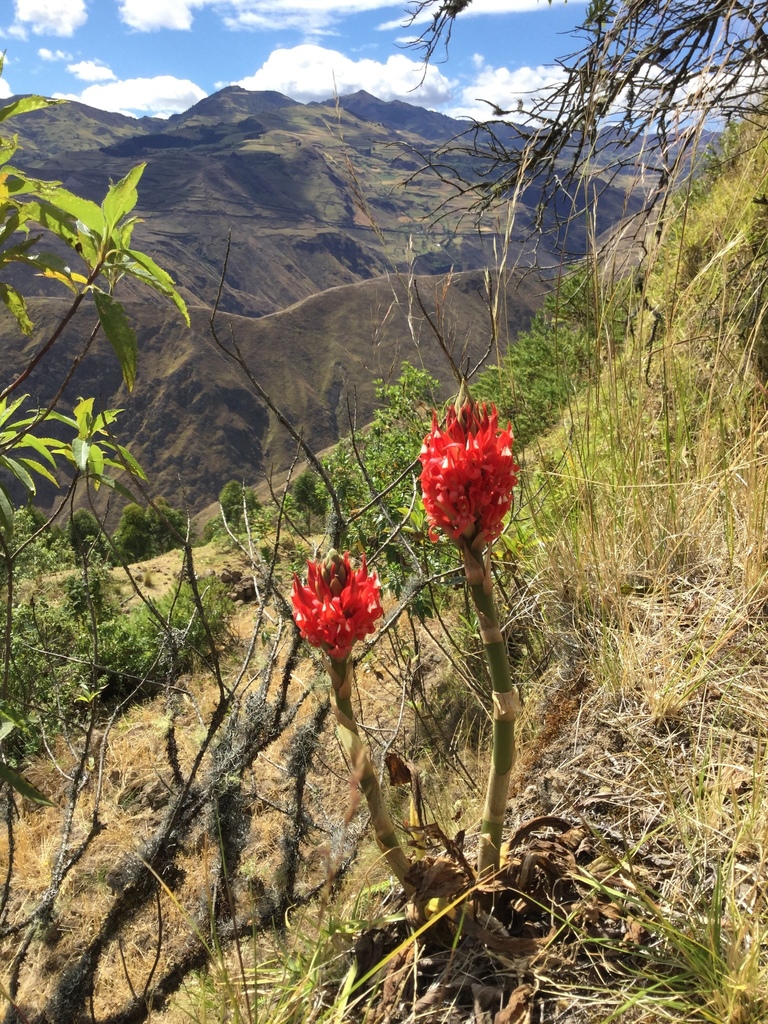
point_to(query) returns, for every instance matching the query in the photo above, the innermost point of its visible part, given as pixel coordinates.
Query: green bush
(543, 368)
(147, 532)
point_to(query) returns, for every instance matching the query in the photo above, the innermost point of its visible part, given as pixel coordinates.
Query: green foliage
(147, 532)
(310, 495)
(238, 501)
(86, 535)
(86, 591)
(98, 238)
(7, 774)
(545, 366)
(49, 552)
(183, 641)
(58, 664)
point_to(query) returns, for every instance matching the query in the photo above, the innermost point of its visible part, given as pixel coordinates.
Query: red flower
(468, 474)
(338, 605)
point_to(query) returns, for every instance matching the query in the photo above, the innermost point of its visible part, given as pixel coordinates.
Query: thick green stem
(341, 679)
(505, 709)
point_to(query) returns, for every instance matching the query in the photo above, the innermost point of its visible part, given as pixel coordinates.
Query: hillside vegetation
(328, 211)
(204, 859)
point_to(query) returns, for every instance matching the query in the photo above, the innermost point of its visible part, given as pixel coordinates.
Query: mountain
(320, 206)
(395, 114)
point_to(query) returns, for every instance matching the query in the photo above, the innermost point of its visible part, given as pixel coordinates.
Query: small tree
(310, 495)
(85, 534)
(234, 497)
(132, 537)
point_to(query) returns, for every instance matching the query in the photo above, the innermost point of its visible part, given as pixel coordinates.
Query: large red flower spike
(338, 604)
(468, 474)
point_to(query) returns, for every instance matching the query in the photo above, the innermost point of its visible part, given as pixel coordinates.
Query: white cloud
(92, 71)
(477, 7)
(51, 17)
(510, 90)
(160, 96)
(15, 32)
(310, 72)
(45, 54)
(311, 17)
(5, 89)
(151, 15)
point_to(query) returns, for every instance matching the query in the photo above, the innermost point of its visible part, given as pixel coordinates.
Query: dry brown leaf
(399, 772)
(636, 934)
(436, 877)
(518, 1009)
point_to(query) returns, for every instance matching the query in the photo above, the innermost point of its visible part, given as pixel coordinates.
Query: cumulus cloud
(92, 71)
(51, 17)
(5, 89)
(160, 96)
(310, 72)
(45, 54)
(510, 90)
(151, 15)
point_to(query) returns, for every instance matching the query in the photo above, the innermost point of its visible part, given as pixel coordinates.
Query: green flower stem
(341, 680)
(505, 709)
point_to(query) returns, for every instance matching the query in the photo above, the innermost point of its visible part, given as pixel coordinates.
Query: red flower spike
(468, 474)
(338, 604)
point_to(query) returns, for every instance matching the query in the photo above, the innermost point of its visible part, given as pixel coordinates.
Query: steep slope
(195, 422)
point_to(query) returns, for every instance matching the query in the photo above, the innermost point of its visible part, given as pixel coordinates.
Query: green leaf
(12, 716)
(6, 512)
(20, 784)
(96, 461)
(7, 148)
(37, 467)
(88, 213)
(43, 446)
(104, 419)
(12, 224)
(59, 222)
(6, 728)
(84, 415)
(158, 279)
(122, 198)
(7, 412)
(130, 462)
(117, 486)
(16, 304)
(19, 472)
(24, 104)
(120, 334)
(59, 417)
(80, 450)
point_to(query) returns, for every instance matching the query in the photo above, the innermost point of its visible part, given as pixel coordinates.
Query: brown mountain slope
(193, 419)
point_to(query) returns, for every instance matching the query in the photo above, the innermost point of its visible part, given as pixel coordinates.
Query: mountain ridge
(310, 203)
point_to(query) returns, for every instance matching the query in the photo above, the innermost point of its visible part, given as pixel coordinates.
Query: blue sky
(161, 56)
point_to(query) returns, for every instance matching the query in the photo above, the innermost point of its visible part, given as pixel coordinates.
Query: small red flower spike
(468, 474)
(338, 604)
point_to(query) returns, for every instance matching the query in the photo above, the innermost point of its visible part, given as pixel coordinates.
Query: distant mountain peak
(232, 103)
(399, 115)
